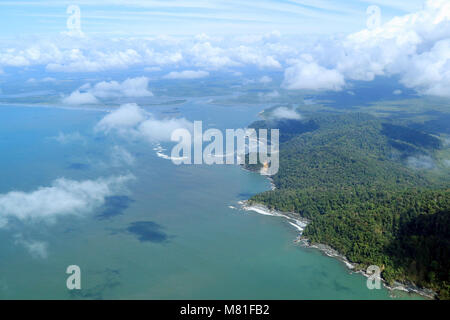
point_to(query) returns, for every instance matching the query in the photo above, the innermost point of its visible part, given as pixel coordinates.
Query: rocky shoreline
(300, 223)
(330, 252)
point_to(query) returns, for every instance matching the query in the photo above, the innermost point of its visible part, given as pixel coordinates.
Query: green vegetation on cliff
(347, 174)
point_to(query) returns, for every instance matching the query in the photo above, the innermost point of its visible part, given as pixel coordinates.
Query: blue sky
(155, 17)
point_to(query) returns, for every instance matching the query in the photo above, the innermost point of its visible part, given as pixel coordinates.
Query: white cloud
(285, 113)
(204, 54)
(161, 130)
(78, 60)
(132, 121)
(64, 54)
(413, 47)
(308, 75)
(63, 197)
(80, 98)
(429, 72)
(126, 117)
(250, 55)
(132, 87)
(187, 74)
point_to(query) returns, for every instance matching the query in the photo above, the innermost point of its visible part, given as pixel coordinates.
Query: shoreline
(300, 223)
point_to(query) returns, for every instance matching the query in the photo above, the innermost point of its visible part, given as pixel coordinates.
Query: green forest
(347, 174)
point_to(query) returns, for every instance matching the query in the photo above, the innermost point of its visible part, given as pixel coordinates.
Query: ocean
(174, 232)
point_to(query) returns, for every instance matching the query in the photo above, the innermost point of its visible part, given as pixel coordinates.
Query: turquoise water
(172, 235)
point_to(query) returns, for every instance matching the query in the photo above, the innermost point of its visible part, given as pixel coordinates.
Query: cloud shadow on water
(114, 206)
(148, 231)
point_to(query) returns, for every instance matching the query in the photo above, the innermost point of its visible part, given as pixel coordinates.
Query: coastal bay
(170, 235)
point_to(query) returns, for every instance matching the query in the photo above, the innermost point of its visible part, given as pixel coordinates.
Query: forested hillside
(346, 174)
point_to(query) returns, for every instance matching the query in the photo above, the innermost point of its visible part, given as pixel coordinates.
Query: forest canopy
(345, 173)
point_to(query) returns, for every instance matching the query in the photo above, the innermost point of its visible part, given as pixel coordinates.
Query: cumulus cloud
(161, 130)
(80, 98)
(187, 74)
(414, 47)
(126, 117)
(62, 197)
(418, 40)
(95, 54)
(65, 54)
(131, 87)
(250, 55)
(429, 72)
(79, 60)
(285, 113)
(204, 54)
(130, 120)
(308, 75)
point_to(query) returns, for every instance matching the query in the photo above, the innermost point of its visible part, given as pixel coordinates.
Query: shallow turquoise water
(196, 248)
